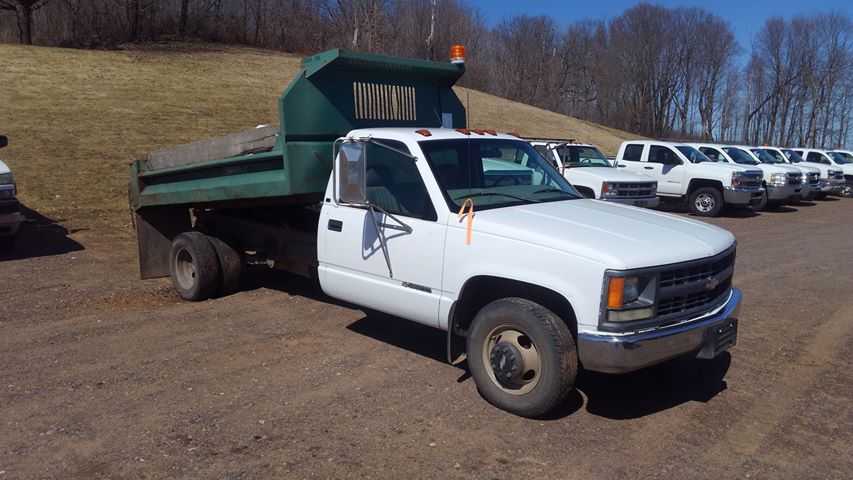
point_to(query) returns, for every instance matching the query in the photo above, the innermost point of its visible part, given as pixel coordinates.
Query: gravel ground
(106, 376)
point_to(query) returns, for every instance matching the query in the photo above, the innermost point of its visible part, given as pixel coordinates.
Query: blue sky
(745, 16)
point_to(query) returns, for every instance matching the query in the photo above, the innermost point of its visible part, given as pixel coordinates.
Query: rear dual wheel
(203, 267)
(522, 356)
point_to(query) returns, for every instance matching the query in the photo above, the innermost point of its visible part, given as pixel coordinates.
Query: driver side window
(394, 183)
(663, 155)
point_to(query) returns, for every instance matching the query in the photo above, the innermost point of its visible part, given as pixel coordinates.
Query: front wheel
(706, 202)
(522, 356)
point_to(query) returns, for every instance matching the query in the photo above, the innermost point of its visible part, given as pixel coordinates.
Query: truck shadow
(617, 397)
(652, 390)
(40, 236)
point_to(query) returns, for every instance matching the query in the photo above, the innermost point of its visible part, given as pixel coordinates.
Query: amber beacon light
(457, 54)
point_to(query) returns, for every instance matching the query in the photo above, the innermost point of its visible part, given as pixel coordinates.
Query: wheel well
(481, 290)
(701, 183)
(585, 191)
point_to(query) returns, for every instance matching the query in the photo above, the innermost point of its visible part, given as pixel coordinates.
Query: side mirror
(351, 173)
(4, 140)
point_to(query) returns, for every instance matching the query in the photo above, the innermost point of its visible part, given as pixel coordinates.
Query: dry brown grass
(75, 118)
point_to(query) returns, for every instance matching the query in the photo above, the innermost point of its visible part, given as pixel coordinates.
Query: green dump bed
(335, 92)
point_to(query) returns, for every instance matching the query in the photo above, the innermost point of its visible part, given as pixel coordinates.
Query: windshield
(841, 158)
(695, 156)
(494, 173)
(580, 156)
(780, 158)
(740, 156)
(793, 156)
(765, 156)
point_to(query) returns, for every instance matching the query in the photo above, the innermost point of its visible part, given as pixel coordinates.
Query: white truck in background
(594, 176)
(844, 160)
(831, 176)
(11, 217)
(782, 183)
(683, 173)
(811, 175)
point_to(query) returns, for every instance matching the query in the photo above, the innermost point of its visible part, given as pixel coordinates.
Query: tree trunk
(26, 23)
(182, 22)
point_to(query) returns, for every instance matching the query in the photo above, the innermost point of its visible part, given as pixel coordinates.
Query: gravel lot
(106, 376)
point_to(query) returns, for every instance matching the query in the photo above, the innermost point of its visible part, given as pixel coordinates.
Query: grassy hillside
(75, 118)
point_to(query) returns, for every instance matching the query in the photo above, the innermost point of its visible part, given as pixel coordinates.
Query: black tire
(705, 202)
(820, 196)
(194, 267)
(547, 335)
(230, 264)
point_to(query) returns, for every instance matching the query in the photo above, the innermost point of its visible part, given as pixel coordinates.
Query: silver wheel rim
(531, 364)
(705, 202)
(185, 270)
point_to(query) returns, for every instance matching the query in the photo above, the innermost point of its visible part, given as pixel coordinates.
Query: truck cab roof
(427, 134)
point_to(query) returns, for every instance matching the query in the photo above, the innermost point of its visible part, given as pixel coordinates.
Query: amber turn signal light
(615, 292)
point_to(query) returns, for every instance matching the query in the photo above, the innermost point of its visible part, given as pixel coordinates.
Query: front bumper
(648, 202)
(742, 196)
(625, 353)
(784, 192)
(832, 186)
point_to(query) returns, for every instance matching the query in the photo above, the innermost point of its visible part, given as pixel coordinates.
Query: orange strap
(468, 205)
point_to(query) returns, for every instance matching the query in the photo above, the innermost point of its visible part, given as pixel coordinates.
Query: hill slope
(75, 118)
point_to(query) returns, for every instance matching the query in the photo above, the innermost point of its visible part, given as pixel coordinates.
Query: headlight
(629, 297)
(739, 179)
(609, 189)
(778, 179)
(7, 179)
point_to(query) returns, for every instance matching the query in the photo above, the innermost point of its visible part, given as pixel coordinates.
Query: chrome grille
(795, 178)
(694, 288)
(752, 179)
(813, 178)
(635, 190)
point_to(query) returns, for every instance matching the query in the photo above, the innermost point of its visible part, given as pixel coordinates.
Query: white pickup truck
(782, 183)
(684, 173)
(592, 174)
(811, 175)
(831, 175)
(10, 210)
(470, 232)
(844, 160)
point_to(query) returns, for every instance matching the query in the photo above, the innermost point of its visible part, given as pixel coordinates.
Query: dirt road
(105, 376)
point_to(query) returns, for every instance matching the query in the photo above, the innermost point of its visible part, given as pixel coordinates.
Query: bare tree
(24, 14)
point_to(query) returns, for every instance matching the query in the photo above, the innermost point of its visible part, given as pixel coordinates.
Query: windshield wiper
(554, 190)
(493, 194)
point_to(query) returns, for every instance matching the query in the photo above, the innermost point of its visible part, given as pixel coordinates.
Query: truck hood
(617, 236)
(3, 168)
(604, 174)
(846, 168)
(770, 169)
(805, 168)
(721, 169)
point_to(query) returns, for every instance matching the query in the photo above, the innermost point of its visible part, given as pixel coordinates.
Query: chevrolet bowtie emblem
(711, 283)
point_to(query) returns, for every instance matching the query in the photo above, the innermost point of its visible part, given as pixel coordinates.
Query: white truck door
(668, 168)
(630, 158)
(352, 261)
